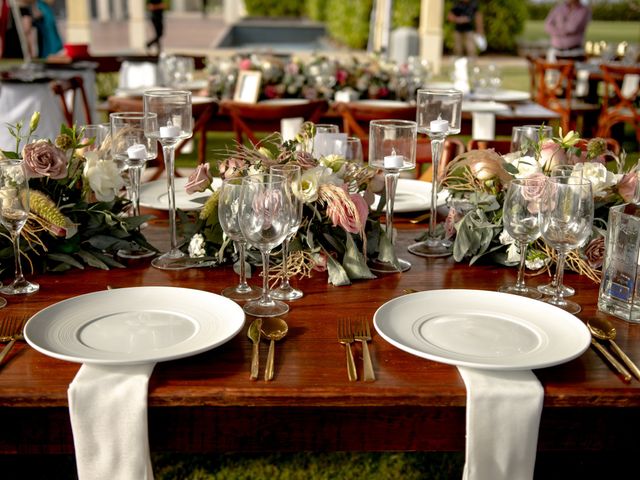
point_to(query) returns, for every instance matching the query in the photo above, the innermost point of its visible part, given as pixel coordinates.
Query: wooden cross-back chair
(500, 146)
(554, 83)
(250, 119)
(622, 106)
(451, 149)
(68, 90)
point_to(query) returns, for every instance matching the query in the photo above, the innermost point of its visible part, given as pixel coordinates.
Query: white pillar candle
(137, 151)
(393, 161)
(170, 131)
(439, 126)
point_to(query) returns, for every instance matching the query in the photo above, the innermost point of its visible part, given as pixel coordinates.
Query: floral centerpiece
(337, 233)
(320, 76)
(76, 216)
(477, 181)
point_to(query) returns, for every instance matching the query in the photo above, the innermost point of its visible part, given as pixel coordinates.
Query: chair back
(249, 119)
(619, 102)
(554, 85)
(500, 146)
(68, 90)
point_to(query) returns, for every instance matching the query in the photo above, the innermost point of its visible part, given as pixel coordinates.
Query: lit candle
(170, 131)
(439, 126)
(393, 160)
(137, 151)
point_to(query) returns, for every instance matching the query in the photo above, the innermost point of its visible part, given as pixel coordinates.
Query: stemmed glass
(353, 150)
(14, 212)
(550, 288)
(173, 123)
(526, 139)
(521, 221)
(439, 114)
(292, 173)
(229, 217)
(132, 148)
(566, 219)
(392, 147)
(265, 210)
(99, 132)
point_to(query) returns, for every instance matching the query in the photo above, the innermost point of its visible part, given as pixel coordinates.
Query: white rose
(513, 253)
(103, 175)
(526, 165)
(505, 238)
(196, 246)
(601, 179)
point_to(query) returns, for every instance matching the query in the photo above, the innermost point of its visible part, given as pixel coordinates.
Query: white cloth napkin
(503, 419)
(483, 125)
(290, 127)
(108, 409)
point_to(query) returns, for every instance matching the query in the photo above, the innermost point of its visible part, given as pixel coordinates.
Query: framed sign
(248, 86)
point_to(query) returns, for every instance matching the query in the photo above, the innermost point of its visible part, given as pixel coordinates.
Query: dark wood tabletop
(207, 402)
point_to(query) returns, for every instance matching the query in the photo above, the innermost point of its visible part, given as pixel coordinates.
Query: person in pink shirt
(566, 24)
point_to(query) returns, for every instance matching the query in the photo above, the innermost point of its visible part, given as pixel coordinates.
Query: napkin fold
(503, 419)
(108, 409)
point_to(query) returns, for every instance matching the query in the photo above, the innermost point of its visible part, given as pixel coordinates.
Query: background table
(206, 403)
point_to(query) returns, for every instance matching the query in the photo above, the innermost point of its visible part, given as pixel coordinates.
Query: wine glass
(229, 217)
(392, 147)
(439, 114)
(550, 288)
(521, 221)
(99, 133)
(173, 123)
(265, 210)
(293, 175)
(353, 150)
(14, 212)
(131, 148)
(319, 145)
(566, 219)
(526, 139)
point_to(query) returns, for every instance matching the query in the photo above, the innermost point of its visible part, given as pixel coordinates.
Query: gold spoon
(274, 329)
(254, 335)
(602, 329)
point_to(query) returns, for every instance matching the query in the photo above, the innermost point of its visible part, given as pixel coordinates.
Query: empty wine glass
(173, 123)
(131, 148)
(566, 219)
(526, 139)
(439, 114)
(229, 217)
(265, 210)
(14, 212)
(392, 147)
(98, 135)
(353, 150)
(521, 221)
(292, 173)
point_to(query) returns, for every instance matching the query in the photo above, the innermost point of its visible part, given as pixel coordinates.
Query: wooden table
(206, 403)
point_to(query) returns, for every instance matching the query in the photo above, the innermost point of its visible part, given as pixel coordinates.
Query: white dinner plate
(128, 326)
(413, 196)
(154, 195)
(284, 101)
(381, 103)
(503, 96)
(482, 106)
(482, 329)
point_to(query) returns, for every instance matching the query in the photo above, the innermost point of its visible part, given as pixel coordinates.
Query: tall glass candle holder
(172, 124)
(439, 114)
(392, 147)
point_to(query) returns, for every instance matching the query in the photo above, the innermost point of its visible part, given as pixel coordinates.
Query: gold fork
(11, 331)
(345, 337)
(362, 334)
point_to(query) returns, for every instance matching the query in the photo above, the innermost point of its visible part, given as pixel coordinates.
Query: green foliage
(274, 8)
(316, 10)
(406, 13)
(348, 22)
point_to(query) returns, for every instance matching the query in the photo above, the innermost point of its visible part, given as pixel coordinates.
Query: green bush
(406, 13)
(274, 8)
(316, 10)
(348, 22)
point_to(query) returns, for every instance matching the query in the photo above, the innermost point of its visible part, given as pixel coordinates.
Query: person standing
(156, 8)
(467, 21)
(49, 41)
(566, 24)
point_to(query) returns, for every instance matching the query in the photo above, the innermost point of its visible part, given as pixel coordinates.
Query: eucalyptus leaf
(337, 275)
(92, 260)
(354, 262)
(386, 251)
(67, 259)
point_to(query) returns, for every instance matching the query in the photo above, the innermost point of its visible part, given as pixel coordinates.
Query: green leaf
(354, 262)
(386, 251)
(92, 260)
(337, 275)
(64, 258)
(107, 242)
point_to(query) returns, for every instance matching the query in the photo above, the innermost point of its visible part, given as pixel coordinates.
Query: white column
(118, 11)
(233, 10)
(103, 10)
(431, 17)
(137, 24)
(78, 22)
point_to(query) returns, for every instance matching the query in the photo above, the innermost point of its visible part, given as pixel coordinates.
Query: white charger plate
(129, 326)
(154, 194)
(482, 329)
(413, 196)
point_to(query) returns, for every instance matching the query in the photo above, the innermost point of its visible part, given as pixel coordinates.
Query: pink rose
(533, 187)
(43, 159)
(199, 180)
(627, 186)
(595, 252)
(551, 154)
(231, 167)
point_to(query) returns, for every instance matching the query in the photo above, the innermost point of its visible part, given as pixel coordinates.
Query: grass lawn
(615, 32)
